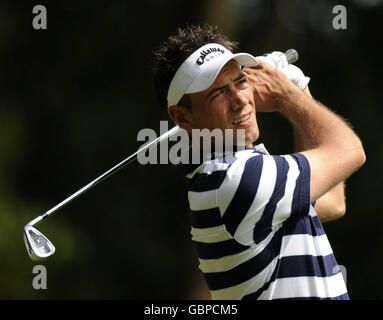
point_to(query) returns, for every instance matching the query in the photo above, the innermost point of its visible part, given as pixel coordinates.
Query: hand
(271, 87)
(278, 60)
(296, 76)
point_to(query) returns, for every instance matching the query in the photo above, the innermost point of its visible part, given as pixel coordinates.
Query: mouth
(243, 120)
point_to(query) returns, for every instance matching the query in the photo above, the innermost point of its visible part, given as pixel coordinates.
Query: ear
(181, 116)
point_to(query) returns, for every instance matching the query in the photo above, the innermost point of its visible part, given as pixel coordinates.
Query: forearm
(319, 126)
(302, 141)
(331, 205)
(334, 150)
(327, 137)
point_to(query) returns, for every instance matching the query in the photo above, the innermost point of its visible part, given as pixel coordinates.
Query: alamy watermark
(191, 148)
(340, 19)
(40, 19)
(343, 270)
(40, 280)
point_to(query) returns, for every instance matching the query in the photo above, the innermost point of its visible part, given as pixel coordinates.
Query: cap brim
(205, 79)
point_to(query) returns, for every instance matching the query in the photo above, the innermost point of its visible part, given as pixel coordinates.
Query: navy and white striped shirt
(256, 233)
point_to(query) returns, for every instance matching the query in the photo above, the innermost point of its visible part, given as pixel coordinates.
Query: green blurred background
(73, 98)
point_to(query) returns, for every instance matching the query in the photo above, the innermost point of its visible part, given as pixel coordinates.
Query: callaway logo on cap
(199, 71)
(204, 53)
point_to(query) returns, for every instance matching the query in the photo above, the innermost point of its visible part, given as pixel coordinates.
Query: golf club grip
(292, 55)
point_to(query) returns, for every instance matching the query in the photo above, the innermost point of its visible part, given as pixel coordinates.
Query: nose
(238, 99)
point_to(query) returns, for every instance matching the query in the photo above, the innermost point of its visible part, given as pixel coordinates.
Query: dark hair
(170, 56)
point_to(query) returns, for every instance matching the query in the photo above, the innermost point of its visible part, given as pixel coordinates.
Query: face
(227, 104)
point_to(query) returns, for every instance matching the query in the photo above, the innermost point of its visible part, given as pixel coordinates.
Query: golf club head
(38, 246)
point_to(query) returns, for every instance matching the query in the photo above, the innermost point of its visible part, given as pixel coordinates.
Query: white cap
(199, 71)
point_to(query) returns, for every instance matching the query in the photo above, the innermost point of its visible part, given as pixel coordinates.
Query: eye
(242, 81)
(216, 95)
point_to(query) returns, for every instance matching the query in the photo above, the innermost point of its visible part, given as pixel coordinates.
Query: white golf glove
(278, 60)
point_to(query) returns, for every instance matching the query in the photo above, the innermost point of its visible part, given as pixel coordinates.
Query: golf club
(38, 245)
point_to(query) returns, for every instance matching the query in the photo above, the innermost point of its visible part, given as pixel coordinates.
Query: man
(257, 233)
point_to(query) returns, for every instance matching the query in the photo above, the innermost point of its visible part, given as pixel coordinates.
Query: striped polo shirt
(256, 233)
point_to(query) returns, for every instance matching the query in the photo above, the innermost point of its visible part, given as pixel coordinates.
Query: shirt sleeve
(261, 192)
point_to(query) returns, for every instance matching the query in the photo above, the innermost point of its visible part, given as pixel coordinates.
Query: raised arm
(337, 151)
(332, 204)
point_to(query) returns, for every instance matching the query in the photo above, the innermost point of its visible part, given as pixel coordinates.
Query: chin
(247, 142)
(252, 136)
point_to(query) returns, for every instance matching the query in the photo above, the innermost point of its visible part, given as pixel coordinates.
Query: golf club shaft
(105, 175)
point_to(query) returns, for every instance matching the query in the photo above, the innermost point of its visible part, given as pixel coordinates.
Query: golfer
(255, 217)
